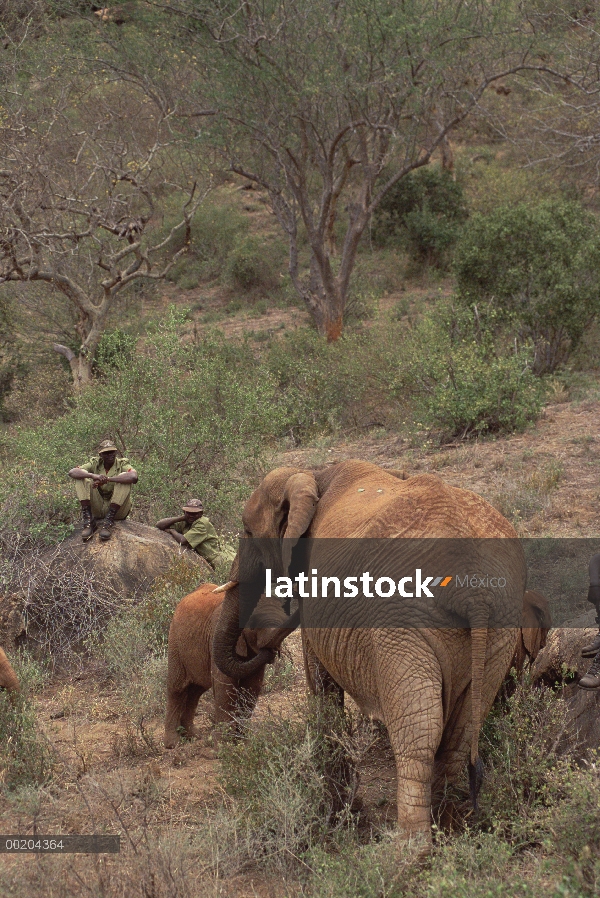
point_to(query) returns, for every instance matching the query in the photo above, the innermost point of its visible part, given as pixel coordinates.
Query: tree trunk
(328, 315)
(81, 366)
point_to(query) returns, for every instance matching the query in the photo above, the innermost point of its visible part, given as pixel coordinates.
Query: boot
(591, 680)
(591, 650)
(109, 522)
(89, 524)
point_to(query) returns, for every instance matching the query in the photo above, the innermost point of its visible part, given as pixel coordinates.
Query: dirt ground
(546, 480)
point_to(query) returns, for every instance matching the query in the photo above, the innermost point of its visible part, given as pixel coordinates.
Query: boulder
(129, 561)
(69, 591)
(561, 659)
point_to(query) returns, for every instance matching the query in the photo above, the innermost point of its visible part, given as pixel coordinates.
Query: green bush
(11, 361)
(115, 349)
(531, 273)
(216, 231)
(519, 745)
(291, 781)
(253, 265)
(25, 754)
(327, 386)
(461, 383)
(423, 212)
(570, 827)
(193, 418)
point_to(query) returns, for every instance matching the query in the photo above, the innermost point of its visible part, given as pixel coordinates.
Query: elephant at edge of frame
(431, 687)
(8, 678)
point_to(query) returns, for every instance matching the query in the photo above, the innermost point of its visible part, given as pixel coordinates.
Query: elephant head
(277, 514)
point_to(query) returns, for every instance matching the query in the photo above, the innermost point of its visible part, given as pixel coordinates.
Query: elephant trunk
(227, 633)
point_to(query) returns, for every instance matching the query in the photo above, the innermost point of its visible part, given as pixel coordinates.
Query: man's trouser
(594, 590)
(121, 496)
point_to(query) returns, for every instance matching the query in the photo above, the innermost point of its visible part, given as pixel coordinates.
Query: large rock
(560, 659)
(70, 591)
(129, 561)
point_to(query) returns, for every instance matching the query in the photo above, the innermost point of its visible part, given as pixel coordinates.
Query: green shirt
(202, 536)
(96, 466)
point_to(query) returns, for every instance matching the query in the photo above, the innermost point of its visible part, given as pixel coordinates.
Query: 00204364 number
(12, 844)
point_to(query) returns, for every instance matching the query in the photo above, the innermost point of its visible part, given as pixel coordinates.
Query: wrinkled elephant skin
(191, 671)
(430, 687)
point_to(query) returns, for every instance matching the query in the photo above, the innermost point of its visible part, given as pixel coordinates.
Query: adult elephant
(430, 685)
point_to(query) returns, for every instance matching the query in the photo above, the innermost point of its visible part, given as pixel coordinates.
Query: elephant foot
(412, 847)
(171, 740)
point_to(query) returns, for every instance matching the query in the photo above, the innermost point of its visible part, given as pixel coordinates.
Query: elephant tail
(478, 651)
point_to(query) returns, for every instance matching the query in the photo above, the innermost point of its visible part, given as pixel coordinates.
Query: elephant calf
(191, 671)
(535, 626)
(8, 678)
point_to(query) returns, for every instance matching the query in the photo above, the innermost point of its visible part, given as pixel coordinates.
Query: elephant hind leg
(176, 702)
(193, 694)
(451, 761)
(413, 715)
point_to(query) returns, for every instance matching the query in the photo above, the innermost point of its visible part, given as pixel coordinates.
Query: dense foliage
(423, 213)
(531, 272)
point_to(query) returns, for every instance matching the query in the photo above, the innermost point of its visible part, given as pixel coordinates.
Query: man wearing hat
(103, 487)
(194, 531)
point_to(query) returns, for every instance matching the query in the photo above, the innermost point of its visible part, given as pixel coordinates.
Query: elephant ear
(300, 497)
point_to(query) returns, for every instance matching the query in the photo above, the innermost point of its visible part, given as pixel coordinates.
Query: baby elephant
(8, 678)
(191, 671)
(534, 629)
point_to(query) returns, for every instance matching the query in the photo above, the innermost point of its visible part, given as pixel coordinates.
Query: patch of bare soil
(546, 480)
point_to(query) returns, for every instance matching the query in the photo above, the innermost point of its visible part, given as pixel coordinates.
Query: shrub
(572, 825)
(11, 353)
(193, 418)
(424, 212)
(461, 383)
(25, 754)
(115, 350)
(292, 781)
(519, 747)
(326, 386)
(531, 272)
(216, 230)
(253, 265)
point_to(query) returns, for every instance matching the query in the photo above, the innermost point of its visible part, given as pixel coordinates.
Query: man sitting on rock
(103, 487)
(194, 531)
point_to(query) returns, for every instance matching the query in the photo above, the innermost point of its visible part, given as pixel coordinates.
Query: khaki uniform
(202, 537)
(102, 496)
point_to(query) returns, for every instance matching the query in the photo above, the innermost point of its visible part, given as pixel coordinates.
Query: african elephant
(430, 686)
(191, 672)
(534, 629)
(8, 678)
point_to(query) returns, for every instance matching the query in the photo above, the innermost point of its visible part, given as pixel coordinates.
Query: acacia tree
(315, 99)
(84, 174)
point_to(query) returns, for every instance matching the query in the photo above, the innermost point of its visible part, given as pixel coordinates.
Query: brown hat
(106, 446)
(193, 505)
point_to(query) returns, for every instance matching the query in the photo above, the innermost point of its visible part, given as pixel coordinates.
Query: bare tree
(316, 99)
(84, 175)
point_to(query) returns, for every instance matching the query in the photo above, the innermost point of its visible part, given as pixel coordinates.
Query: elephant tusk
(226, 586)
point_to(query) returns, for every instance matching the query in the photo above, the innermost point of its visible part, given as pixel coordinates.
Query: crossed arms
(101, 479)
